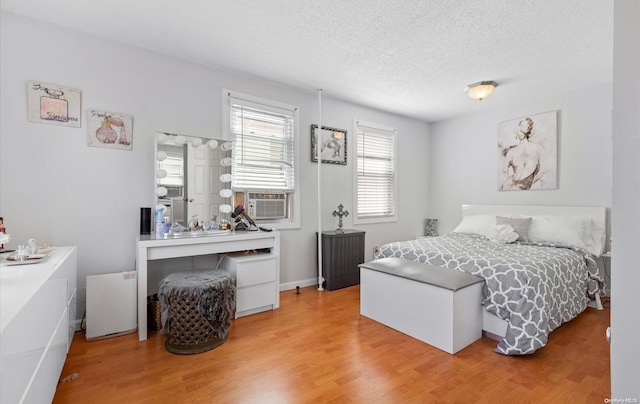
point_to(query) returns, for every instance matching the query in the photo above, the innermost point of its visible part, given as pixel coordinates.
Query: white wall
(55, 188)
(625, 223)
(463, 158)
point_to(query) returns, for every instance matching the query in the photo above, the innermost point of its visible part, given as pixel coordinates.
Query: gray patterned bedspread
(534, 287)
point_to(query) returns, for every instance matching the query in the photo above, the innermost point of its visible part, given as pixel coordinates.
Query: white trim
(376, 126)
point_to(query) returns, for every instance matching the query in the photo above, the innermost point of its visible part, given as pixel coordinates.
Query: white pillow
(519, 224)
(575, 230)
(477, 224)
(596, 242)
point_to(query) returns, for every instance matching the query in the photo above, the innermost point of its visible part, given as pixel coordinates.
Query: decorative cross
(340, 213)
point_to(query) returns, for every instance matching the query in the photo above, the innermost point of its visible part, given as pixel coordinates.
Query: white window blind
(263, 152)
(376, 172)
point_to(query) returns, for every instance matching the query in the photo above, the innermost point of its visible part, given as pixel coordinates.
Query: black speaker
(145, 220)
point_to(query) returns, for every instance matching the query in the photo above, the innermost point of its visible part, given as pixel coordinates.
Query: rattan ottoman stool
(197, 308)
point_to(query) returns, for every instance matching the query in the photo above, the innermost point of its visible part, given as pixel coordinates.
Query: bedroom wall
(625, 321)
(463, 155)
(55, 188)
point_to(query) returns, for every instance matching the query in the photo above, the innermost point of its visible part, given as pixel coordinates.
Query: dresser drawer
(251, 269)
(256, 281)
(254, 297)
(256, 272)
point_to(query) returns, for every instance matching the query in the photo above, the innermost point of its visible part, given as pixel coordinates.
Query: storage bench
(439, 306)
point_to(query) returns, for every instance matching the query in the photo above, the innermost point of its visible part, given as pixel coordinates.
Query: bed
(533, 284)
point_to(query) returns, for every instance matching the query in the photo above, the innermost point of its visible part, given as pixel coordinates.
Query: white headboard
(598, 214)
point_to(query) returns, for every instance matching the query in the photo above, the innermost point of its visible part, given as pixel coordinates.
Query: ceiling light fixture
(480, 90)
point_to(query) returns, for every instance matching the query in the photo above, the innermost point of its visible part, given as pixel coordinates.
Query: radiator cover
(341, 255)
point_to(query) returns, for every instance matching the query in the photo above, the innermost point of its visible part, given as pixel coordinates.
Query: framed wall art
(332, 143)
(109, 129)
(528, 152)
(52, 104)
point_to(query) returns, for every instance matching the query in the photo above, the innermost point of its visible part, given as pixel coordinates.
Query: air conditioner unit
(267, 206)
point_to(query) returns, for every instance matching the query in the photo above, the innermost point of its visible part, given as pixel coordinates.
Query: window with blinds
(376, 173)
(263, 152)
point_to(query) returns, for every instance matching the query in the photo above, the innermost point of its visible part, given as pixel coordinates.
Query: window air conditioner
(267, 206)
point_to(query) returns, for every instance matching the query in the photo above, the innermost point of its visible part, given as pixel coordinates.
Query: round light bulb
(161, 173)
(162, 155)
(196, 142)
(212, 144)
(161, 138)
(180, 140)
(161, 191)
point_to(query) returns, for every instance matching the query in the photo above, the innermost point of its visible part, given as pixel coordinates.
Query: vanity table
(150, 248)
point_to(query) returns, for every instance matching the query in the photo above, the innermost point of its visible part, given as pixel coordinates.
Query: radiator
(111, 305)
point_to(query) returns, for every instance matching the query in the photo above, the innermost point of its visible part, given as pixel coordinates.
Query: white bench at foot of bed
(439, 306)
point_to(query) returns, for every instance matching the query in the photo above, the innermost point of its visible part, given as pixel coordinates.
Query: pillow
(476, 224)
(503, 233)
(596, 243)
(574, 230)
(519, 225)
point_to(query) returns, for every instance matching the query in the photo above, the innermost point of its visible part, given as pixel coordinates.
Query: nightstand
(342, 252)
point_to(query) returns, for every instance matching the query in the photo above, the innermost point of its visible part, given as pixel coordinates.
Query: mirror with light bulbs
(193, 179)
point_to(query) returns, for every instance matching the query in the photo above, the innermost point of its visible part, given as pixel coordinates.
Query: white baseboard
(77, 324)
(302, 284)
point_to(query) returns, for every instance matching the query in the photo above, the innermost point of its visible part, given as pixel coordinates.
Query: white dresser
(256, 276)
(37, 306)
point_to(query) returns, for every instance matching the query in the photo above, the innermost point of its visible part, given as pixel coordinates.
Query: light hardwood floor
(317, 348)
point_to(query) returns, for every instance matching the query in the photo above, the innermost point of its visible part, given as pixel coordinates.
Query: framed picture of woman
(332, 143)
(528, 152)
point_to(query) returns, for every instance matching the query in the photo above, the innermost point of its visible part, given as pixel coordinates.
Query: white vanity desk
(149, 248)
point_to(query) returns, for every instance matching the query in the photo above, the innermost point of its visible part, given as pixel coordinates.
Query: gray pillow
(520, 225)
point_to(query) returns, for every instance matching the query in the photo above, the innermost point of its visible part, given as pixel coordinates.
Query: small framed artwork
(52, 104)
(528, 153)
(332, 143)
(111, 130)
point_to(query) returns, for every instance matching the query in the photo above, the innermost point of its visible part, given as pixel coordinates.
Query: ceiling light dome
(480, 90)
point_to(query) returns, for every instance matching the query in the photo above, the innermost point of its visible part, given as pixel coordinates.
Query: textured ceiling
(411, 57)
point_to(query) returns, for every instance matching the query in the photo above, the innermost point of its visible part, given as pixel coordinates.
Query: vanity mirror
(193, 178)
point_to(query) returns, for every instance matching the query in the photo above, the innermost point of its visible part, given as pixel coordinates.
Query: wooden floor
(317, 348)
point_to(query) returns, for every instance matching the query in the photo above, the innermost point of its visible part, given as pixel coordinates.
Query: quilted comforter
(535, 287)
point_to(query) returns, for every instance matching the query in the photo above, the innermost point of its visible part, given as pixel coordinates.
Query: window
(375, 190)
(264, 150)
(263, 155)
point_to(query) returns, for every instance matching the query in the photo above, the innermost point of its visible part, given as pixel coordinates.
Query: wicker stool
(197, 308)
